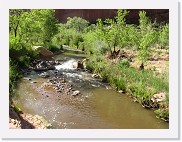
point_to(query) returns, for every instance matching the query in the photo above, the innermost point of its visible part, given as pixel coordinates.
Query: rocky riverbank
(20, 120)
(54, 86)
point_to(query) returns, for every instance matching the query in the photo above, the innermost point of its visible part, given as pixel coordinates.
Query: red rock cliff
(161, 15)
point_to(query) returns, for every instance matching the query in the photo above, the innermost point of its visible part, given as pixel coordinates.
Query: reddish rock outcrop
(161, 15)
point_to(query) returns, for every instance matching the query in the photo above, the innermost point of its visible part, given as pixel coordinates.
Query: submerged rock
(26, 78)
(44, 74)
(33, 82)
(75, 93)
(121, 91)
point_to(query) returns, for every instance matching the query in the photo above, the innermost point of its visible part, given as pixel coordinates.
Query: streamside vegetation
(127, 56)
(28, 28)
(132, 58)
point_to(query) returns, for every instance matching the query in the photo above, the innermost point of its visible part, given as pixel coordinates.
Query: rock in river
(158, 97)
(95, 76)
(75, 93)
(44, 74)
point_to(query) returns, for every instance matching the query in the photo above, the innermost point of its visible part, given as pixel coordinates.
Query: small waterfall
(70, 64)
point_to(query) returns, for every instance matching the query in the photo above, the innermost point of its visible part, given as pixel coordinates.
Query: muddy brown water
(97, 107)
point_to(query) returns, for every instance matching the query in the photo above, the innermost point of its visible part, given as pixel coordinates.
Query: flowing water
(98, 106)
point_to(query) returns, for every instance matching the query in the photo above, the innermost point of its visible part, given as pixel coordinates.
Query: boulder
(80, 65)
(158, 97)
(43, 51)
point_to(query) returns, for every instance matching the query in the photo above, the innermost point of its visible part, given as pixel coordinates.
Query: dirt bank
(20, 120)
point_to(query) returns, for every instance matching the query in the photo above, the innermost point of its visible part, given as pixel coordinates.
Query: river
(98, 106)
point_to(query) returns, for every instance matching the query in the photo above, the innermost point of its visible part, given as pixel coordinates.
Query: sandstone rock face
(161, 15)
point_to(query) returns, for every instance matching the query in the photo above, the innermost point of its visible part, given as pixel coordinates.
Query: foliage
(124, 63)
(27, 28)
(162, 113)
(112, 30)
(164, 36)
(20, 53)
(76, 23)
(13, 76)
(77, 39)
(32, 26)
(147, 37)
(90, 39)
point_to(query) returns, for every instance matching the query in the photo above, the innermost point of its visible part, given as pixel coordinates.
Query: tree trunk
(16, 28)
(141, 66)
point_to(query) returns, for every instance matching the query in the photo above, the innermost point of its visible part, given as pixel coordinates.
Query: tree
(14, 20)
(28, 28)
(112, 31)
(164, 36)
(32, 26)
(77, 23)
(147, 36)
(77, 39)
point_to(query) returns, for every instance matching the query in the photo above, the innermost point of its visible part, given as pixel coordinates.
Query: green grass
(140, 84)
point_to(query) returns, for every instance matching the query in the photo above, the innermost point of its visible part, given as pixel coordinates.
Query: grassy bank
(141, 85)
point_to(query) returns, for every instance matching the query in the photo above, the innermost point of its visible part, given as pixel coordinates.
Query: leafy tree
(32, 26)
(112, 30)
(147, 36)
(164, 36)
(27, 28)
(77, 23)
(14, 20)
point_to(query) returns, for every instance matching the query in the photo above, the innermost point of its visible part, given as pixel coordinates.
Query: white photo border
(171, 133)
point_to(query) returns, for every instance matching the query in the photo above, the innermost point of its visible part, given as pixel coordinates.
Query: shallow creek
(98, 106)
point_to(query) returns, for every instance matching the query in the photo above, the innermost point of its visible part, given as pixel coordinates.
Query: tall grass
(142, 84)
